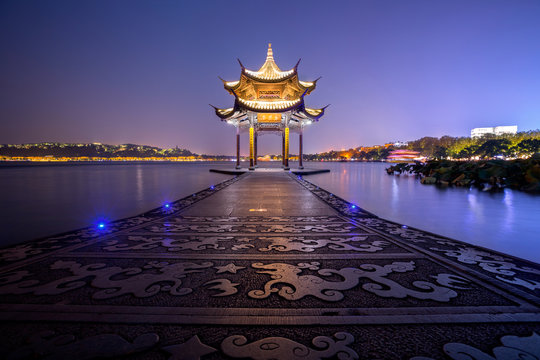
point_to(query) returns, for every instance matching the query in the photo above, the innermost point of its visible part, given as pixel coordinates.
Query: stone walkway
(265, 266)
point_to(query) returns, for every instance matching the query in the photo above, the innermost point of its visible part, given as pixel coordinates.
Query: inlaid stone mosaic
(414, 342)
(349, 283)
(216, 244)
(172, 228)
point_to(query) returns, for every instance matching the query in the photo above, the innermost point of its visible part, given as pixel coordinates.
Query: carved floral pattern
(199, 228)
(249, 219)
(178, 244)
(287, 282)
(269, 348)
(283, 244)
(113, 280)
(226, 287)
(280, 243)
(47, 345)
(514, 347)
(193, 349)
(404, 232)
(321, 228)
(496, 264)
(250, 228)
(23, 251)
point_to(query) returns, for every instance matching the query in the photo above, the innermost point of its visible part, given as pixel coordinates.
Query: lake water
(508, 221)
(41, 200)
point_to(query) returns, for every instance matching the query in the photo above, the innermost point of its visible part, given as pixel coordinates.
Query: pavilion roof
(269, 71)
(301, 112)
(309, 113)
(306, 87)
(270, 89)
(269, 105)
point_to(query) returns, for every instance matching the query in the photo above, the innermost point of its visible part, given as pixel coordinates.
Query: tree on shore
(523, 144)
(493, 148)
(527, 147)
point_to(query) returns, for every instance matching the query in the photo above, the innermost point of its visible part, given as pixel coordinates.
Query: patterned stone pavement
(265, 266)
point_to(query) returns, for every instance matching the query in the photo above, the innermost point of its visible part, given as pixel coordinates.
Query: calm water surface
(508, 222)
(41, 200)
(44, 200)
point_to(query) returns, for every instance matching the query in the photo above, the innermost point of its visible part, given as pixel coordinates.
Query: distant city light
(353, 206)
(212, 187)
(167, 205)
(101, 225)
(404, 226)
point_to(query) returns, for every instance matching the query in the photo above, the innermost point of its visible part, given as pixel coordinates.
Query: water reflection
(41, 200)
(508, 202)
(395, 193)
(507, 221)
(139, 181)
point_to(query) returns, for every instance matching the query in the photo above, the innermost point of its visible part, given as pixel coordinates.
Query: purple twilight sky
(144, 71)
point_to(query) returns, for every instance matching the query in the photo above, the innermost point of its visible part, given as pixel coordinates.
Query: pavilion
(269, 100)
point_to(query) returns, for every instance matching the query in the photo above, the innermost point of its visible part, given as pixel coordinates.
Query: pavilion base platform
(265, 265)
(295, 171)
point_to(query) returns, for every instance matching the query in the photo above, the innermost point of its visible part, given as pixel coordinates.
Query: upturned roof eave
(305, 112)
(241, 105)
(306, 89)
(263, 80)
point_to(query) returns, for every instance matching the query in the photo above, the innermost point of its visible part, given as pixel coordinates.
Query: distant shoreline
(43, 163)
(12, 163)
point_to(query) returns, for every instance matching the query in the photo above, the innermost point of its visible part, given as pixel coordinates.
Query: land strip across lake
(265, 265)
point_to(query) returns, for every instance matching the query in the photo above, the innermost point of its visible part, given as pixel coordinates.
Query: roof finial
(269, 54)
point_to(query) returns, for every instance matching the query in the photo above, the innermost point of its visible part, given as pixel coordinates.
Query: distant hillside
(91, 150)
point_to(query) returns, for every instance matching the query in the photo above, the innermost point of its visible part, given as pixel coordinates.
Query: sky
(144, 72)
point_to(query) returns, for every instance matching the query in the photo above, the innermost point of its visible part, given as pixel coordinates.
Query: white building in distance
(495, 130)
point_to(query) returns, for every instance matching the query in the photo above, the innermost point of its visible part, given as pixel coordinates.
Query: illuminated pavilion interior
(269, 101)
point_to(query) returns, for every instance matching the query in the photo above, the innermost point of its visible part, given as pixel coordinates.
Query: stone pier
(265, 266)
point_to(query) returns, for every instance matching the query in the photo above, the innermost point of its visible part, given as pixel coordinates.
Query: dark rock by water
(492, 175)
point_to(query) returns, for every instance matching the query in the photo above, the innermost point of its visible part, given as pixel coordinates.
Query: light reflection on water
(508, 222)
(42, 200)
(140, 183)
